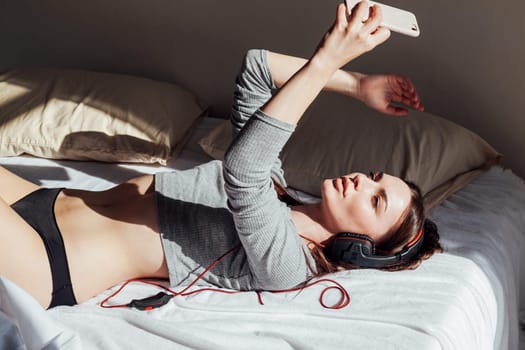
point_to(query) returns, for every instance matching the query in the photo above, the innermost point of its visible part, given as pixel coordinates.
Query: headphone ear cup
(345, 246)
(359, 250)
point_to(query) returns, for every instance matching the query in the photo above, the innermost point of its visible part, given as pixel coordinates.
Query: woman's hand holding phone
(350, 36)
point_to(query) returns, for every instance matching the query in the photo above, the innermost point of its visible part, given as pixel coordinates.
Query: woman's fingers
(409, 99)
(373, 21)
(351, 35)
(366, 20)
(402, 91)
(341, 19)
(395, 110)
(413, 102)
(403, 100)
(406, 92)
(360, 13)
(381, 35)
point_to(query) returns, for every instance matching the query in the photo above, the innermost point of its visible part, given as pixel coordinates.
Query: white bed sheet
(466, 298)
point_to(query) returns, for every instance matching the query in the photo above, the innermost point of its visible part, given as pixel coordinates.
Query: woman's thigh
(23, 257)
(13, 187)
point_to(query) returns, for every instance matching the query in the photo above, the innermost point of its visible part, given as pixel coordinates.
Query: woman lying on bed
(64, 246)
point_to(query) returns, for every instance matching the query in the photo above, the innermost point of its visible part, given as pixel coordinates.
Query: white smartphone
(395, 19)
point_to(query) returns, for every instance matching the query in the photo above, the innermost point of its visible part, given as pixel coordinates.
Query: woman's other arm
(378, 91)
(283, 67)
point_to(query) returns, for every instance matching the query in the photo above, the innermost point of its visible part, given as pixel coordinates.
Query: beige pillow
(438, 155)
(84, 115)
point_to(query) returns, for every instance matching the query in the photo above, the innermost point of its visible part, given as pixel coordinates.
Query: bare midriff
(110, 236)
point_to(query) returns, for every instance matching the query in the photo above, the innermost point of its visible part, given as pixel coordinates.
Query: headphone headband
(415, 239)
(359, 250)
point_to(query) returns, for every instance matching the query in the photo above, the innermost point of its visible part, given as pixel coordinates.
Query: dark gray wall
(467, 63)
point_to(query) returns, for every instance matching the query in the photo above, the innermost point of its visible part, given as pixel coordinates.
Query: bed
(468, 297)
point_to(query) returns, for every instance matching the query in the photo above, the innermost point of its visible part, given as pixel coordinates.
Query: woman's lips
(347, 183)
(338, 185)
(341, 184)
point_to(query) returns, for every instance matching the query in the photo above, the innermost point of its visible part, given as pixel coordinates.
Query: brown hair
(412, 220)
(400, 235)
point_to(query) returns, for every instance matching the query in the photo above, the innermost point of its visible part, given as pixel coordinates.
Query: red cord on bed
(343, 301)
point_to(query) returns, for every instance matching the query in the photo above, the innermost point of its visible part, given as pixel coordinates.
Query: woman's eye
(375, 201)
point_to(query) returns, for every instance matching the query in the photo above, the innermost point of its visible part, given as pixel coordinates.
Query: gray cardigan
(205, 211)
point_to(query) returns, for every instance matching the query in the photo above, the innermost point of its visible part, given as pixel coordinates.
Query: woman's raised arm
(275, 253)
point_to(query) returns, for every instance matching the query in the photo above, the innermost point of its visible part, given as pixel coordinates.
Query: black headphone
(359, 250)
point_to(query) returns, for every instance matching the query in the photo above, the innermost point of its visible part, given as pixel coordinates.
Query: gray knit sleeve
(276, 254)
(254, 86)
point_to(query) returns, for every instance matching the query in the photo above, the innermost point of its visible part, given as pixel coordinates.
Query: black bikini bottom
(38, 210)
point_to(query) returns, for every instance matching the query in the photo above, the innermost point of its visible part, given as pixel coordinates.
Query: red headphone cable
(162, 298)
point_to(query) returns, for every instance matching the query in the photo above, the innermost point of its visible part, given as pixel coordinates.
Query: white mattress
(466, 298)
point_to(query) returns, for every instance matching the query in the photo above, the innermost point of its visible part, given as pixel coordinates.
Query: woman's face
(367, 204)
